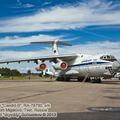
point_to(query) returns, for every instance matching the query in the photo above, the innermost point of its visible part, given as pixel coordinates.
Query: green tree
(8, 72)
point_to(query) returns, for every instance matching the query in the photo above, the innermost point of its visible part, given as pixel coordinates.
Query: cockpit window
(108, 58)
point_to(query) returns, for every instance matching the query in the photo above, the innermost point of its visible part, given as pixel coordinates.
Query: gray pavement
(70, 99)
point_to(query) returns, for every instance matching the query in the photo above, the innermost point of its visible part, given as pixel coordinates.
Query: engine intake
(42, 66)
(63, 65)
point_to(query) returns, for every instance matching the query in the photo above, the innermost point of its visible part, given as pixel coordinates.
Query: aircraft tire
(67, 79)
(60, 79)
(99, 80)
(95, 80)
(88, 79)
(92, 81)
(80, 79)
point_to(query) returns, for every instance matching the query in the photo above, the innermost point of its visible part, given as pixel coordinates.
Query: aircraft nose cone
(116, 65)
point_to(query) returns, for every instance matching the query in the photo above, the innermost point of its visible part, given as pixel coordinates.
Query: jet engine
(41, 67)
(61, 65)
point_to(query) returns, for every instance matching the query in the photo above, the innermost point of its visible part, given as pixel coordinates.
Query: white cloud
(105, 47)
(26, 5)
(19, 2)
(81, 15)
(18, 41)
(22, 67)
(46, 3)
(23, 54)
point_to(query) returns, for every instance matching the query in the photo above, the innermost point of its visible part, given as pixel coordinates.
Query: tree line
(9, 72)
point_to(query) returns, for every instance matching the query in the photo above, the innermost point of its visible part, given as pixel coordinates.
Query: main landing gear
(88, 79)
(63, 79)
(80, 79)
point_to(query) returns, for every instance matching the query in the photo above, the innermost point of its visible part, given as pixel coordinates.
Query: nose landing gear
(95, 80)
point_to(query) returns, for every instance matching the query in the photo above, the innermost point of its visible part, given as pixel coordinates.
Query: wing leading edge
(47, 58)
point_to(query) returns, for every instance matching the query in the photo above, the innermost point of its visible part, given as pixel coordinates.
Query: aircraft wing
(47, 58)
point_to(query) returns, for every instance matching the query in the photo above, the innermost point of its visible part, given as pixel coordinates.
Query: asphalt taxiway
(67, 98)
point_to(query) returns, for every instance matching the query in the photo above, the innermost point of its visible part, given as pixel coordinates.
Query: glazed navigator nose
(116, 65)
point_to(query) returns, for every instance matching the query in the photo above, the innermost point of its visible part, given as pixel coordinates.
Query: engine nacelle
(60, 65)
(41, 67)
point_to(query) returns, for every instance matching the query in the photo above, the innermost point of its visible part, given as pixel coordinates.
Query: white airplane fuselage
(92, 66)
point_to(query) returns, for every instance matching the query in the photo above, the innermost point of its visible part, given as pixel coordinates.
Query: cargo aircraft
(82, 67)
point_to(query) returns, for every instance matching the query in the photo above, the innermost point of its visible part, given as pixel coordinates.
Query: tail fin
(54, 45)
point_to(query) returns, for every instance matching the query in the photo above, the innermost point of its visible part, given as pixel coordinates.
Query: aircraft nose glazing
(116, 65)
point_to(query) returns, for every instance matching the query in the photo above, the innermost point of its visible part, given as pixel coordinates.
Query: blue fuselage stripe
(90, 63)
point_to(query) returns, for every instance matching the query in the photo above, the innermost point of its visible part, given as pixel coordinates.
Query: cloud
(4, 55)
(19, 2)
(94, 48)
(19, 41)
(46, 3)
(95, 12)
(22, 67)
(26, 5)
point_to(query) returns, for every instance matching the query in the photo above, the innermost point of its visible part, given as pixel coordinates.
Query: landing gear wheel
(98, 80)
(60, 79)
(95, 80)
(88, 80)
(67, 79)
(92, 81)
(80, 79)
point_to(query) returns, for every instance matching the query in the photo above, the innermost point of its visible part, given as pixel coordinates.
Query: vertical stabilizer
(54, 45)
(55, 48)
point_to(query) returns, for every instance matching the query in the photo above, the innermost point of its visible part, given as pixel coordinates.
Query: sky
(92, 26)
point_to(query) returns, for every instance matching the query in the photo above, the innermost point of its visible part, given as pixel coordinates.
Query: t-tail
(54, 45)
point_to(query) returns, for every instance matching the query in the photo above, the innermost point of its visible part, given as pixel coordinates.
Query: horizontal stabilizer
(51, 42)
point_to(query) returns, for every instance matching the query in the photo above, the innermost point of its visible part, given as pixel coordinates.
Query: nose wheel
(96, 80)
